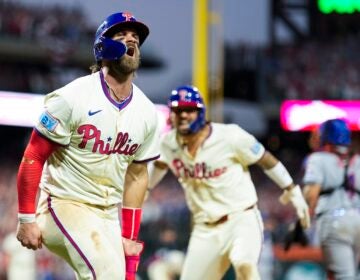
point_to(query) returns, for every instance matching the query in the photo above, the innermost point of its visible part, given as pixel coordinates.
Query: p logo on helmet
(105, 47)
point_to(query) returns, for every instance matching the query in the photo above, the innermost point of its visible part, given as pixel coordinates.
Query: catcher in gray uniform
(332, 195)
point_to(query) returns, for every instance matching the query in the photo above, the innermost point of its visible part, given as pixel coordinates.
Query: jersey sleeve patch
(255, 148)
(48, 121)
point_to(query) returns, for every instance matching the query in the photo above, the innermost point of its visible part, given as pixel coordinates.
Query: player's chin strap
(282, 178)
(130, 223)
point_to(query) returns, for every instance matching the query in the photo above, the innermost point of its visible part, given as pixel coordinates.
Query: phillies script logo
(121, 146)
(199, 171)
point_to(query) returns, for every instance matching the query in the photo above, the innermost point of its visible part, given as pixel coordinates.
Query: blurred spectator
(20, 262)
(315, 70)
(167, 261)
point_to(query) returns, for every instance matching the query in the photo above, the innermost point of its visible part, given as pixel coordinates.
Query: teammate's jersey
(101, 137)
(217, 180)
(327, 169)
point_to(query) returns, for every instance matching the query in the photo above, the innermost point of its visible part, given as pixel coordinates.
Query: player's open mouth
(130, 51)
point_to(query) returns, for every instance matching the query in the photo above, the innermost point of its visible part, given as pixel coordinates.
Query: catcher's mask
(105, 47)
(189, 97)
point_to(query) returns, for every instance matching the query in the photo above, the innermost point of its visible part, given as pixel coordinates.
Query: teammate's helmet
(335, 132)
(189, 97)
(105, 47)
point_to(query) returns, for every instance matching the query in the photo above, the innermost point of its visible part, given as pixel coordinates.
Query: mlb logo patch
(48, 121)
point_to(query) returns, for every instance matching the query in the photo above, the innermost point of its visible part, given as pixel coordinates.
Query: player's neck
(193, 141)
(119, 90)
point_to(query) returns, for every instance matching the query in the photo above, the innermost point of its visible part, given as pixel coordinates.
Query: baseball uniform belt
(224, 218)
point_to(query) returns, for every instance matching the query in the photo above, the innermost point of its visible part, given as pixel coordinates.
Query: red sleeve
(28, 178)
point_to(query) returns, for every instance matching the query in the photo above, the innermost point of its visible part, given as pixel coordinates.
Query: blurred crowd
(315, 70)
(56, 30)
(44, 24)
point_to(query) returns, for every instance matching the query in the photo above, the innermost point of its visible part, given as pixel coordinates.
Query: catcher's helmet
(105, 47)
(335, 132)
(189, 97)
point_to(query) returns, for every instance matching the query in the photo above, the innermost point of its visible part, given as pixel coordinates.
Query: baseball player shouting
(211, 162)
(332, 188)
(88, 153)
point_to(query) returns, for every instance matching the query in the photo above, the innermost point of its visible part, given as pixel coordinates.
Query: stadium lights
(305, 115)
(339, 6)
(23, 110)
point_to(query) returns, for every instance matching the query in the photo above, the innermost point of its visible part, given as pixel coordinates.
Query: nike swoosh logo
(90, 113)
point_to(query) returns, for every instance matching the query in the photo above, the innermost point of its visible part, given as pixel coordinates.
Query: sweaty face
(130, 62)
(183, 118)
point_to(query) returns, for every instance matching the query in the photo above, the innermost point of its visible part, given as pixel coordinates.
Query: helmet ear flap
(199, 122)
(106, 48)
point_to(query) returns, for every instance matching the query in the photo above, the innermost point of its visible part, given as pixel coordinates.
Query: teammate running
(211, 161)
(89, 153)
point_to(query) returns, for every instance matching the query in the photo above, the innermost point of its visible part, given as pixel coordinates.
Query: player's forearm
(311, 194)
(136, 183)
(276, 171)
(157, 171)
(28, 179)
(29, 174)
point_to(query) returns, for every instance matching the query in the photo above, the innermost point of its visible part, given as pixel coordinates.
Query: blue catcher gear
(189, 97)
(105, 47)
(335, 132)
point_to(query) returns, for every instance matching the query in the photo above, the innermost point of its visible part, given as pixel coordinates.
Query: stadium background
(261, 53)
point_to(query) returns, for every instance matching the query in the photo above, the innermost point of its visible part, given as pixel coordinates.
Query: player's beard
(183, 128)
(125, 66)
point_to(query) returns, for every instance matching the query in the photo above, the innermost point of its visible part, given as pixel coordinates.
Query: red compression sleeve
(130, 222)
(36, 153)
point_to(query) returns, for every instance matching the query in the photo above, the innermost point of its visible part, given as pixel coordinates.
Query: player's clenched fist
(132, 250)
(29, 235)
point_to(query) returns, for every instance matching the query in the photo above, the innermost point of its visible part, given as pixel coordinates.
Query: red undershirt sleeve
(36, 153)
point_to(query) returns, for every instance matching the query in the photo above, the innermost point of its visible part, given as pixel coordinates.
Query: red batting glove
(132, 263)
(132, 250)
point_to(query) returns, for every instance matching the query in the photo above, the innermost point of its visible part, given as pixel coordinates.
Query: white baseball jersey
(217, 180)
(101, 137)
